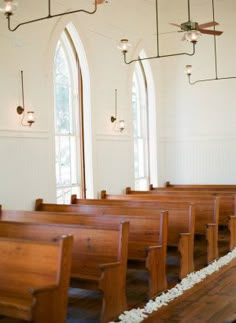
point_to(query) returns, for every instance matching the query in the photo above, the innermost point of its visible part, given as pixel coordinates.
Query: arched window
(69, 136)
(140, 128)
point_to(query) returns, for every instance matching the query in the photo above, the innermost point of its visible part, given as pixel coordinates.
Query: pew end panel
(35, 290)
(185, 249)
(38, 204)
(156, 266)
(212, 242)
(232, 229)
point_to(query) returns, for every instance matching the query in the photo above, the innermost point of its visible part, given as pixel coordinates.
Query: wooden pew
(206, 212)
(227, 202)
(186, 188)
(220, 187)
(99, 256)
(181, 222)
(34, 278)
(147, 235)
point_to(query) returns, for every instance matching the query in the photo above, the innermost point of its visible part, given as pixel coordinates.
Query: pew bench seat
(16, 306)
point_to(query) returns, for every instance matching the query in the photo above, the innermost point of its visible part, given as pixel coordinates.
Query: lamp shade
(30, 117)
(122, 125)
(124, 45)
(188, 69)
(192, 36)
(8, 7)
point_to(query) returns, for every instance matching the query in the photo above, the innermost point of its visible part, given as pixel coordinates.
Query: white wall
(27, 154)
(196, 128)
(198, 122)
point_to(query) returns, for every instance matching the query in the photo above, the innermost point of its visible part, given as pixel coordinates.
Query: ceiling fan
(190, 25)
(194, 29)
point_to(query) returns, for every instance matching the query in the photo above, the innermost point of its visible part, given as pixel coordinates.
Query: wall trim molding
(11, 133)
(111, 137)
(197, 138)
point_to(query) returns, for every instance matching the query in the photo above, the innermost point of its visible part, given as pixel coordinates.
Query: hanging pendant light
(188, 68)
(125, 45)
(9, 7)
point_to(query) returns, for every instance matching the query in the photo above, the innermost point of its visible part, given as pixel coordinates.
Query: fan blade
(208, 24)
(101, 1)
(176, 25)
(210, 32)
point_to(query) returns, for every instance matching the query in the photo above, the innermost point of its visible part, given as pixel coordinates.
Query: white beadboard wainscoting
(199, 160)
(26, 169)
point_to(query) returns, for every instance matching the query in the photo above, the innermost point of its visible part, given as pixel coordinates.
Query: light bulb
(192, 36)
(188, 69)
(9, 7)
(122, 125)
(30, 117)
(124, 45)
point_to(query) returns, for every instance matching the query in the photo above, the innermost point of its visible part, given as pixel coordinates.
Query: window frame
(142, 108)
(76, 130)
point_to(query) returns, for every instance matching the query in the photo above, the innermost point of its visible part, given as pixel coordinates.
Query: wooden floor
(212, 301)
(215, 299)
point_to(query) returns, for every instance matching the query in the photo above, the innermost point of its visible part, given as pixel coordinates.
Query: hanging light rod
(188, 68)
(124, 43)
(9, 7)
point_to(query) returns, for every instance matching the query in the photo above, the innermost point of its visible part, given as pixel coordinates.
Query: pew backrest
(28, 264)
(222, 187)
(227, 199)
(92, 246)
(181, 216)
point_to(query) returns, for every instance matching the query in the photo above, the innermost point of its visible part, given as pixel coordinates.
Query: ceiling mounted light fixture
(124, 45)
(9, 7)
(21, 109)
(188, 68)
(192, 30)
(192, 36)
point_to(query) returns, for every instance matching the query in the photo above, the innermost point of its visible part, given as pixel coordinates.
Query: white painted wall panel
(200, 160)
(24, 170)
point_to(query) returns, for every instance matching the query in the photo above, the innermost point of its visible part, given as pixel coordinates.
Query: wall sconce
(9, 7)
(21, 109)
(118, 126)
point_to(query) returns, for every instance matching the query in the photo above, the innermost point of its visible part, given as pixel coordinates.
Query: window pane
(58, 169)
(60, 196)
(63, 92)
(74, 162)
(140, 158)
(64, 195)
(65, 164)
(140, 128)
(67, 141)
